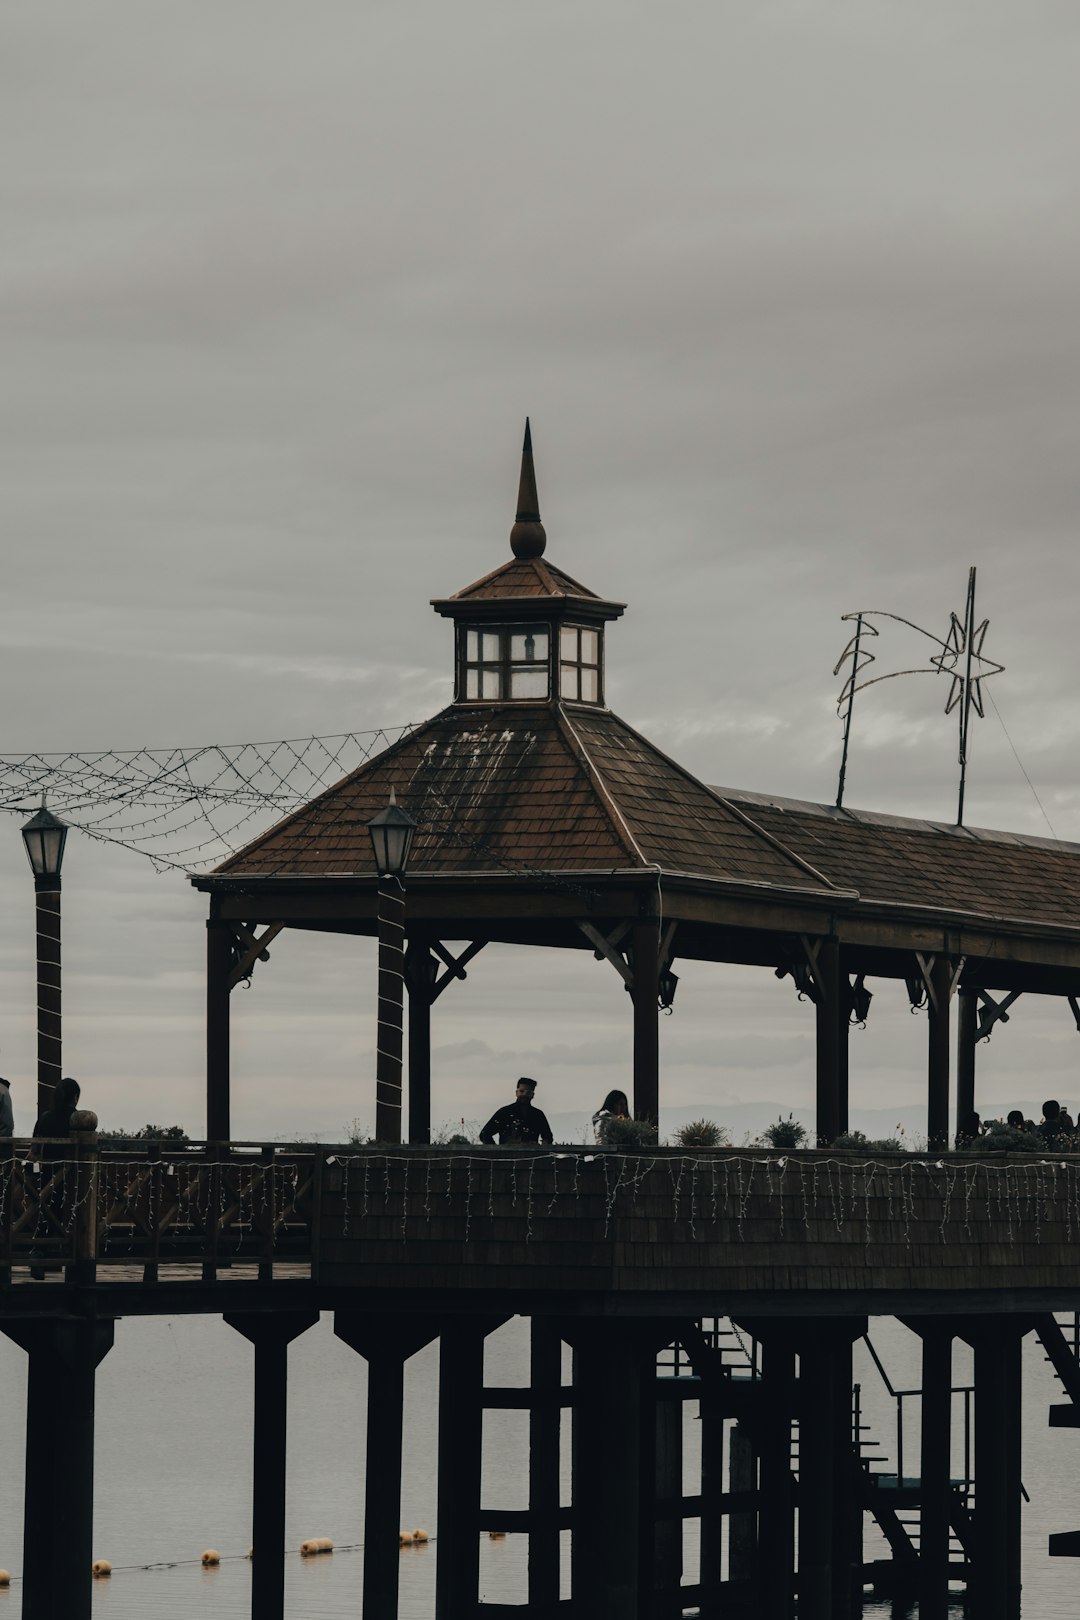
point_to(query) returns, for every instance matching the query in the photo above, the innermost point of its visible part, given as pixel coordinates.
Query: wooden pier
(636, 1261)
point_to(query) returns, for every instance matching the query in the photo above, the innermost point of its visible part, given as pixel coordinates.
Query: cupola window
(579, 664)
(506, 661)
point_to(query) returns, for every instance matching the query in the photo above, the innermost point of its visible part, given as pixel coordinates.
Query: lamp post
(44, 837)
(392, 833)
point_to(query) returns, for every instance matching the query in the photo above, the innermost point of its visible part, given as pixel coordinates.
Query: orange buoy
(5, 1578)
(100, 1568)
(211, 1558)
(420, 1536)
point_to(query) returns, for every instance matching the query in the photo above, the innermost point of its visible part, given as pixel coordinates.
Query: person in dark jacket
(519, 1121)
(7, 1113)
(54, 1122)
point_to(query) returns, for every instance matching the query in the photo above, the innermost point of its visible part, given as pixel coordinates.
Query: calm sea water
(174, 1464)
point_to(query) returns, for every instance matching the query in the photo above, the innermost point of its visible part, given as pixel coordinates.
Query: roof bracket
(250, 949)
(993, 1012)
(605, 945)
(925, 979)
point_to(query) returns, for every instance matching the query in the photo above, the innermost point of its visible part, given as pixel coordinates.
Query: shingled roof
(529, 790)
(900, 861)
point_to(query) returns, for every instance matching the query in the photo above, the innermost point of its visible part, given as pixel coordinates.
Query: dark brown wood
(938, 1054)
(49, 1022)
(967, 1026)
(645, 994)
(58, 1512)
(608, 1527)
(461, 1395)
(420, 983)
(545, 1356)
(219, 963)
(817, 1473)
(776, 1518)
(271, 1336)
(388, 1089)
(827, 979)
(934, 1470)
(998, 1391)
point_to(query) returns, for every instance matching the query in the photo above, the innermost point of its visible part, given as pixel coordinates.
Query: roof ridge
(618, 822)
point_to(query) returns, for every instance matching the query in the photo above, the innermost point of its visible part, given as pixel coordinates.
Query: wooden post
(219, 964)
(608, 1525)
(934, 1469)
(843, 1056)
(847, 1549)
(938, 1056)
(646, 993)
(668, 1534)
(271, 1335)
(712, 1489)
(391, 998)
(828, 1042)
(967, 1026)
(58, 1513)
(386, 1342)
(817, 1460)
(776, 1522)
(419, 981)
(998, 1390)
(742, 1527)
(461, 1420)
(83, 1268)
(49, 1025)
(545, 1359)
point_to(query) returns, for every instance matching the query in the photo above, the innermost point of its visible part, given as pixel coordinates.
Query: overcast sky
(790, 291)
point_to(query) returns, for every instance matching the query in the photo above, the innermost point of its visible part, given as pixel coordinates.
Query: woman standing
(614, 1106)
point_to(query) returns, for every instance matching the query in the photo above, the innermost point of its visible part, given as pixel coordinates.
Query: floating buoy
(5, 1578)
(211, 1557)
(100, 1568)
(420, 1535)
(251, 1552)
(496, 1535)
(325, 1544)
(405, 1538)
(315, 1544)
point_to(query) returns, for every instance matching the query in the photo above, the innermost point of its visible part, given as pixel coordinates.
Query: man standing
(7, 1113)
(519, 1121)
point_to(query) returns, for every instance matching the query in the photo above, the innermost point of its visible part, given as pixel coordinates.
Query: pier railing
(93, 1212)
(662, 1222)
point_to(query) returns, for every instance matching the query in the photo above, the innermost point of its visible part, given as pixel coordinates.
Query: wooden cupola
(528, 633)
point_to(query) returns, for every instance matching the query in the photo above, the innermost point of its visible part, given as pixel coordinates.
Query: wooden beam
(826, 966)
(645, 995)
(219, 961)
(605, 946)
(253, 949)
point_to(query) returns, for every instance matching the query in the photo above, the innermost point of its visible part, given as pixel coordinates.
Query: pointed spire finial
(527, 537)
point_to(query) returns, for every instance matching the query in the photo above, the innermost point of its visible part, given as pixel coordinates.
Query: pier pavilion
(545, 820)
(730, 1282)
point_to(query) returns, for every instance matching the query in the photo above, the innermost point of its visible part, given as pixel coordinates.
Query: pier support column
(219, 966)
(668, 1473)
(545, 1363)
(998, 1389)
(827, 1551)
(827, 975)
(461, 1436)
(614, 1463)
(58, 1512)
(776, 1515)
(934, 1467)
(271, 1334)
(742, 1526)
(386, 1343)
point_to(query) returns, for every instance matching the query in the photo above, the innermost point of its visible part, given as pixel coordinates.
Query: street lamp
(44, 837)
(392, 833)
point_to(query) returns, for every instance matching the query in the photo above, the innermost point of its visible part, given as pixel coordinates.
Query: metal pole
(47, 909)
(965, 707)
(847, 717)
(391, 1008)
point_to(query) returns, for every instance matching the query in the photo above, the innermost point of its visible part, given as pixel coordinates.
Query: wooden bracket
(251, 949)
(455, 965)
(667, 947)
(926, 973)
(993, 1012)
(606, 945)
(1075, 1006)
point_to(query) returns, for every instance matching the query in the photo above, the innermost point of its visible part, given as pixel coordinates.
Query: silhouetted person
(614, 1106)
(971, 1126)
(55, 1121)
(1016, 1119)
(7, 1113)
(1056, 1123)
(519, 1121)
